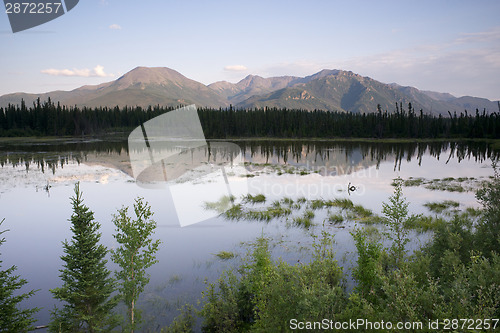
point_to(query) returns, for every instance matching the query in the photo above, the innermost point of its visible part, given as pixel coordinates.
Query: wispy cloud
(115, 27)
(235, 68)
(98, 71)
(492, 35)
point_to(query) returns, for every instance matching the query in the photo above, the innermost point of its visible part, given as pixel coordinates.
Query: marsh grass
(309, 214)
(335, 218)
(426, 223)
(439, 207)
(267, 214)
(303, 222)
(258, 198)
(344, 210)
(225, 255)
(373, 219)
(338, 202)
(317, 204)
(361, 211)
(222, 205)
(234, 213)
(342, 203)
(445, 186)
(449, 184)
(413, 182)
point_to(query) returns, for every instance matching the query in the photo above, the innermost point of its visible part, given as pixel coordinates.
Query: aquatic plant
(439, 207)
(258, 198)
(222, 205)
(335, 218)
(225, 255)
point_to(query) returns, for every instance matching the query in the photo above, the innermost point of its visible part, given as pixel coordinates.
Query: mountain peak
(328, 89)
(149, 75)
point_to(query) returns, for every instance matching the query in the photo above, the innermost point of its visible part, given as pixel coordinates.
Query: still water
(37, 180)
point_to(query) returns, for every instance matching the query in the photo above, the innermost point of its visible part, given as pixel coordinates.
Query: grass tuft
(225, 255)
(259, 198)
(303, 221)
(220, 206)
(426, 223)
(335, 218)
(439, 207)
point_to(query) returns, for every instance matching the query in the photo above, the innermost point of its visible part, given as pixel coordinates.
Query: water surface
(37, 180)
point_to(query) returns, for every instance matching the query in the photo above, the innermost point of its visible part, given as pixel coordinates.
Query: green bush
(454, 276)
(488, 229)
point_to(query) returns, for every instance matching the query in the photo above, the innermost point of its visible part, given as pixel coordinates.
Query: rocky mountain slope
(334, 90)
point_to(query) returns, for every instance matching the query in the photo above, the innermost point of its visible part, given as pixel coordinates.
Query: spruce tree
(12, 319)
(87, 285)
(136, 253)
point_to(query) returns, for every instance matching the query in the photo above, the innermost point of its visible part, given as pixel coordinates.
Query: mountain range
(334, 90)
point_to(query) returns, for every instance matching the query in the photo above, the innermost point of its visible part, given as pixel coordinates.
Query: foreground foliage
(263, 295)
(136, 253)
(456, 275)
(87, 285)
(13, 319)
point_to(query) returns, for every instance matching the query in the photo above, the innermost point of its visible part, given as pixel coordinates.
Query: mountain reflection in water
(324, 157)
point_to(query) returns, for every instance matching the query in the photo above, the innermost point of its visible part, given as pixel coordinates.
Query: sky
(444, 46)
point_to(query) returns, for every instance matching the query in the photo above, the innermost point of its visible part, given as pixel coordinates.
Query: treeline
(50, 119)
(285, 123)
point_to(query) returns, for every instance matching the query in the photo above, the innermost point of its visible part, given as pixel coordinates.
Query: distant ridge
(333, 90)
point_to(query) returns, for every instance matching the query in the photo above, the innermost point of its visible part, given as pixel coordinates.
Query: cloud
(235, 68)
(98, 71)
(115, 27)
(491, 35)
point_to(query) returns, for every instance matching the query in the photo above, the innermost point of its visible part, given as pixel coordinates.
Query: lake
(37, 179)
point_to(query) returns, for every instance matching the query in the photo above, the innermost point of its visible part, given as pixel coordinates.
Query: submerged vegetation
(439, 207)
(287, 207)
(225, 255)
(259, 198)
(449, 184)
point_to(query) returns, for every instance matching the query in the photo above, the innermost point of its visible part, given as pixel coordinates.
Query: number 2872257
(33, 7)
